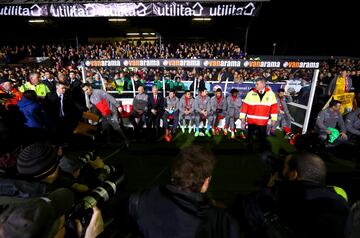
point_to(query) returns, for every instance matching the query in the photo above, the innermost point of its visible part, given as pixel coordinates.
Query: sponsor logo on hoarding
(297, 64)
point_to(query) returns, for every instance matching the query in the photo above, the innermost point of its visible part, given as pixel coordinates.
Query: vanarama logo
(181, 63)
(297, 64)
(222, 63)
(101, 63)
(262, 64)
(145, 63)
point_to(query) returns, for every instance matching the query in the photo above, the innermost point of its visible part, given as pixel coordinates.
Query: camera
(274, 228)
(276, 162)
(108, 171)
(90, 155)
(82, 211)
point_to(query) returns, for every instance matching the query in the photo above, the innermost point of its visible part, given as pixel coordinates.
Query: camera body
(82, 211)
(86, 157)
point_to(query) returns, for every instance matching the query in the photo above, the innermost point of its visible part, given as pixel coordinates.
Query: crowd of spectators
(64, 55)
(65, 58)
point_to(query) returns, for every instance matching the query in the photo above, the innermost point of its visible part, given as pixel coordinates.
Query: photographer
(37, 169)
(299, 205)
(70, 172)
(181, 208)
(95, 182)
(85, 171)
(44, 217)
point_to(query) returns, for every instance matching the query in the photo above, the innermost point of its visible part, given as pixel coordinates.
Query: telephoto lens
(90, 155)
(83, 210)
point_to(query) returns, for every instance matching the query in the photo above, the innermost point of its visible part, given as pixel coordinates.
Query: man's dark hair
(334, 103)
(83, 85)
(202, 90)
(30, 94)
(281, 90)
(171, 91)
(187, 91)
(61, 84)
(309, 167)
(218, 90)
(192, 166)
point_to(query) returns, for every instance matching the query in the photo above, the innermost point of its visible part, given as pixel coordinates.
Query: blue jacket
(33, 113)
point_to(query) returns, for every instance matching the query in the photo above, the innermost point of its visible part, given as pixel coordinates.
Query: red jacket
(9, 98)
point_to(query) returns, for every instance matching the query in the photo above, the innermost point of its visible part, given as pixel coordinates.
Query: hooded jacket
(169, 212)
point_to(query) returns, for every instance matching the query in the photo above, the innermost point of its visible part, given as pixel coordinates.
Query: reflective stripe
(258, 117)
(260, 104)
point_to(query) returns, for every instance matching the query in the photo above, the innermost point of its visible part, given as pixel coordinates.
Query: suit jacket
(53, 105)
(77, 92)
(51, 85)
(159, 105)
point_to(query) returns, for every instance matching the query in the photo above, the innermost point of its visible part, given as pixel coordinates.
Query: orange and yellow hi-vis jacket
(258, 111)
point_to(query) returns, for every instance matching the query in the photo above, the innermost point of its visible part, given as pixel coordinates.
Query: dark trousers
(261, 134)
(137, 125)
(175, 123)
(153, 120)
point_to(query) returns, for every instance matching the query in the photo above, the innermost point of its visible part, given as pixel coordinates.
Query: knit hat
(37, 160)
(69, 163)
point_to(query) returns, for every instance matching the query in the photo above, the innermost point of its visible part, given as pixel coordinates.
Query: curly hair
(192, 166)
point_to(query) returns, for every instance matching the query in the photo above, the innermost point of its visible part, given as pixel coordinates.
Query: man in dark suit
(76, 90)
(155, 110)
(62, 111)
(49, 81)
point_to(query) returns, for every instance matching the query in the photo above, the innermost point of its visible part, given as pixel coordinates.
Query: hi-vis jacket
(259, 110)
(40, 89)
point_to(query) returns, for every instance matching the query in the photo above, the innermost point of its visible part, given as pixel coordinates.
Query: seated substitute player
(202, 108)
(186, 111)
(218, 109)
(232, 113)
(171, 104)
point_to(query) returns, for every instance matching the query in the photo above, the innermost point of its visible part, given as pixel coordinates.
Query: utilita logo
(175, 9)
(29, 11)
(232, 10)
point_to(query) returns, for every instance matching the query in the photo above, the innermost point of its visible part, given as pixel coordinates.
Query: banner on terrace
(202, 63)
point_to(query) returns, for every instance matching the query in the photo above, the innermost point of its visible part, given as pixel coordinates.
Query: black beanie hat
(37, 160)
